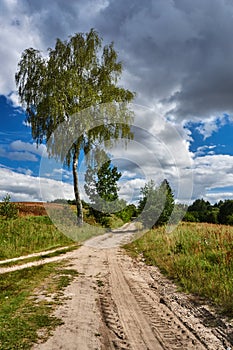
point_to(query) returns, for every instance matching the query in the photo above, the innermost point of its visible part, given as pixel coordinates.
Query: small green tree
(128, 212)
(156, 204)
(7, 209)
(101, 186)
(190, 217)
(200, 209)
(169, 204)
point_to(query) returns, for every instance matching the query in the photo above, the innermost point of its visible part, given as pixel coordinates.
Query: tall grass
(28, 235)
(198, 256)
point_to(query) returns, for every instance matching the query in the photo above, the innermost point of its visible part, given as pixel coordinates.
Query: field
(31, 208)
(26, 235)
(41, 227)
(199, 257)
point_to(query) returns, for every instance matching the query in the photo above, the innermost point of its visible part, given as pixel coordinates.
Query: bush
(191, 217)
(212, 216)
(8, 209)
(127, 213)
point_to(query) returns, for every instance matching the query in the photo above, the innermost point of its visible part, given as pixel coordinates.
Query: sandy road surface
(119, 303)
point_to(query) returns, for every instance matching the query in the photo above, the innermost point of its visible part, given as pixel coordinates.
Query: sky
(177, 56)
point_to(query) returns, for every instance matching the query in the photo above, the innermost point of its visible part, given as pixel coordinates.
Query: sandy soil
(120, 303)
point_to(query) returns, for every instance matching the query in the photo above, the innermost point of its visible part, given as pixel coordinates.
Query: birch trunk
(76, 190)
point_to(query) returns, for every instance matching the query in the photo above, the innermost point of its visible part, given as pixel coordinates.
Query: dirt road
(119, 303)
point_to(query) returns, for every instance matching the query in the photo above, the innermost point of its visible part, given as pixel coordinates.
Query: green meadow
(30, 234)
(198, 256)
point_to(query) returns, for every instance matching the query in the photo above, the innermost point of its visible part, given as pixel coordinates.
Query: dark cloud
(176, 51)
(60, 18)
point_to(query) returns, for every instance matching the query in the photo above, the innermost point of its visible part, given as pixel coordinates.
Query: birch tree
(76, 75)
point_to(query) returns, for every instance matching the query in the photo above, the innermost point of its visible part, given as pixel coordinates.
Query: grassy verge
(27, 235)
(198, 256)
(31, 234)
(22, 313)
(65, 219)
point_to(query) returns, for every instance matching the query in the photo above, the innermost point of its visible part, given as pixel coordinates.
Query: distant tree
(101, 186)
(101, 180)
(191, 217)
(59, 201)
(219, 204)
(106, 185)
(212, 216)
(156, 204)
(199, 205)
(128, 212)
(77, 74)
(7, 209)
(166, 191)
(225, 215)
(201, 210)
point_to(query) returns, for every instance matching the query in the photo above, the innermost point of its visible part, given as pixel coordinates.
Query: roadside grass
(28, 298)
(115, 222)
(27, 235)
(31, 234)
(64, 217)
(80, 234)
(199, 257)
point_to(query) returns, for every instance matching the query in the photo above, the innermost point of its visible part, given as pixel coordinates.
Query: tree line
(156, 205)
(218, 213)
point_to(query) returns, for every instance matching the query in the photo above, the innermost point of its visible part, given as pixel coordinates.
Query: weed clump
(8, 210)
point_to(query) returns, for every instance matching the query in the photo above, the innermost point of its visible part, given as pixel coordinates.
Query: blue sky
(177, 56)
(220, 141)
